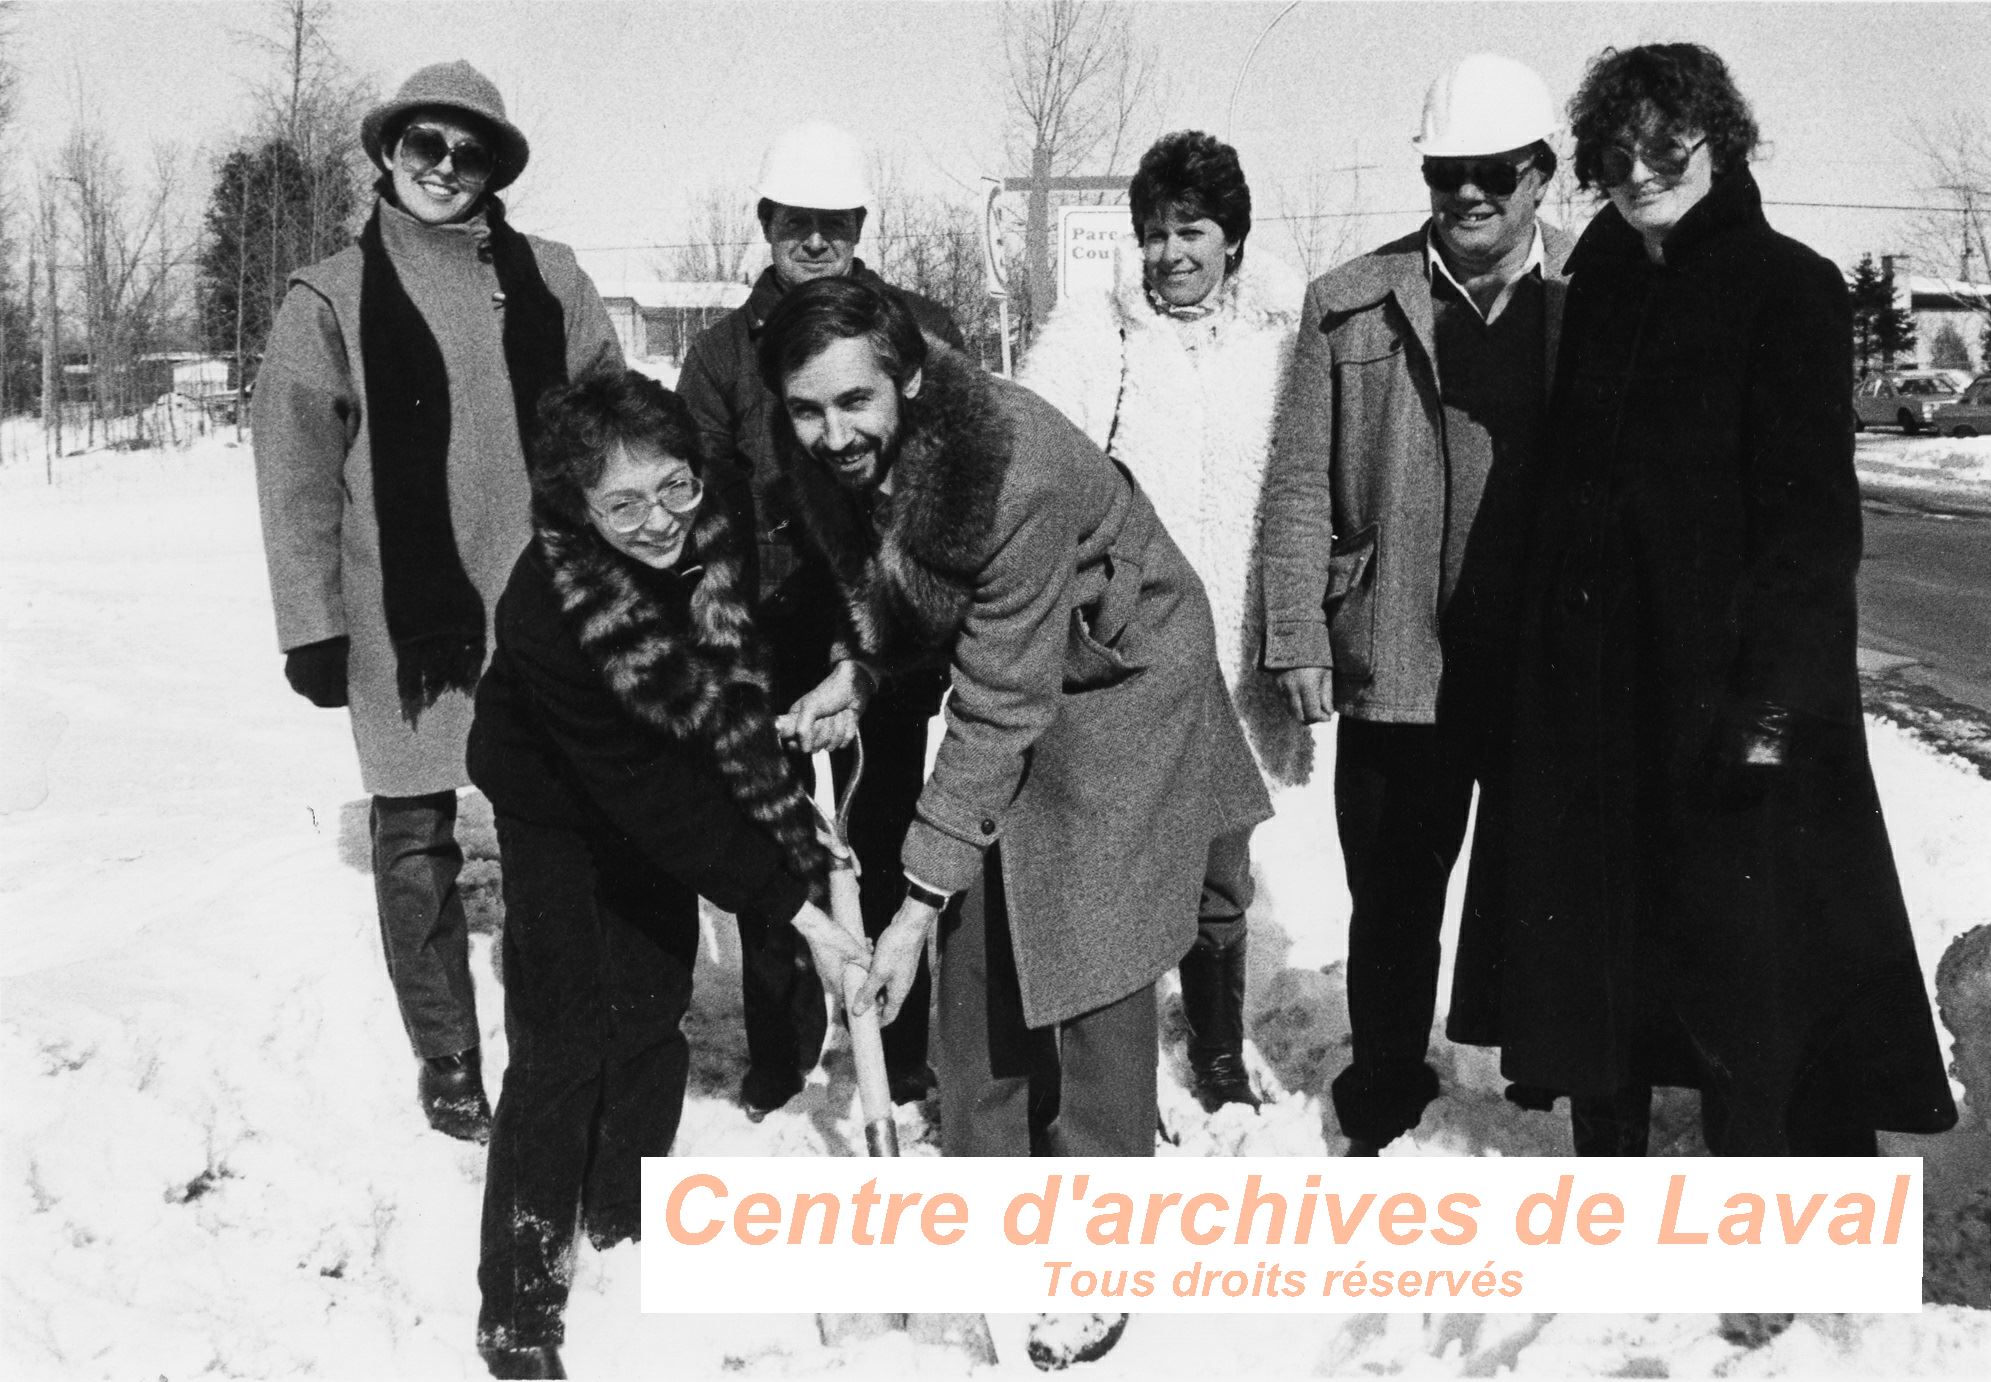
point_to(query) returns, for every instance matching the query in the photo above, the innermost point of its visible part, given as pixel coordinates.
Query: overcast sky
(632, 106)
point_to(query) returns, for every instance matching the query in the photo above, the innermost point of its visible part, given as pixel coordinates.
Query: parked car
(1907, 399)
(1970, 415)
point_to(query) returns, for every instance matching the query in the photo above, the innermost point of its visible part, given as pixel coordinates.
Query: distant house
(657, 321)
(1935, 302)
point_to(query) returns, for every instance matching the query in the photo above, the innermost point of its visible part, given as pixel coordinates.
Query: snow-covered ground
(213, 1159)
(1940, 471)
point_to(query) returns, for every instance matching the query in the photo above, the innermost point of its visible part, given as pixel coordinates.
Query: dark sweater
(1490, 378)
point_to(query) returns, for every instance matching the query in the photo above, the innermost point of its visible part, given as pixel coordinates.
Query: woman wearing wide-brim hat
(394, 499)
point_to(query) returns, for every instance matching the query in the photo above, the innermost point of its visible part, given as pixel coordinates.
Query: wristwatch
(932, 897)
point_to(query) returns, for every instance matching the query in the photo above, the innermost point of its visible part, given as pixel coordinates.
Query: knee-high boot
(1213, 1003)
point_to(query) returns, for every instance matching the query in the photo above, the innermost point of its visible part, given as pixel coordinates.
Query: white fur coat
(1188, 407)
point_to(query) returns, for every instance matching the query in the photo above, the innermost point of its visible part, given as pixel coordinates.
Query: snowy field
(214, 1163)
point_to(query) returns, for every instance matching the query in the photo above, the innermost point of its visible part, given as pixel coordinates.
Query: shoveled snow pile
(1944, 471)
(213, 1159)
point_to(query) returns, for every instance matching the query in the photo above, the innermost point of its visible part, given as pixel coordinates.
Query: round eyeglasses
(624, 512)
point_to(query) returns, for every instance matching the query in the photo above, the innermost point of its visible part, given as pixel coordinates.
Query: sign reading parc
(1086, 235)
(1285, 1234)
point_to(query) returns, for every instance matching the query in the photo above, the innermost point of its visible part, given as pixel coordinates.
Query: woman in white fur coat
(1176, 374)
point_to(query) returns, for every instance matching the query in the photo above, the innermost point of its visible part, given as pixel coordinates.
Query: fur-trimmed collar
(676, 648)
(1262, 294)
(907, 584)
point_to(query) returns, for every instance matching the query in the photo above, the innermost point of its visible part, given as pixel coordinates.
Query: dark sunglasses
(1494, 176)
(423, 148)
(1667, 161)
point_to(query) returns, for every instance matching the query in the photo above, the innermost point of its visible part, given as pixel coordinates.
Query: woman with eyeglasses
(624, 738)
(388, 413)
(1703, 892)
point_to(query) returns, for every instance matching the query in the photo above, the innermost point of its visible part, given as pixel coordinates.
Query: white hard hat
(1485, 104)
(817, 166)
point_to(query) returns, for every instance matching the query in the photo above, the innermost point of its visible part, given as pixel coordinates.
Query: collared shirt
(1434, 263)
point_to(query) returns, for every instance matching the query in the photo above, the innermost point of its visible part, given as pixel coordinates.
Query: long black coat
(1696, 551)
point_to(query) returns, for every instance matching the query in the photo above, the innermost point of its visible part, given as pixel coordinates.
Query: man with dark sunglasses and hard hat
(1395, 508)
(814, 189)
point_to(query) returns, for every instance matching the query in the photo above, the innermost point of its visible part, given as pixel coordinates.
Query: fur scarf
(907, 584)
(1190, 407)
(677, 649)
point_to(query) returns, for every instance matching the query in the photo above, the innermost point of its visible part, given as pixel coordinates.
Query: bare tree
(1078, 79)
(721, 235)
(16, 325)
(313, 102)
(1321, 217)
(291, 190)
(1081, 89)
(122, 245)
(1950, 244)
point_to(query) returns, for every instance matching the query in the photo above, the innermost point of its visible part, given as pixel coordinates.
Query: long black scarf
(435, 617)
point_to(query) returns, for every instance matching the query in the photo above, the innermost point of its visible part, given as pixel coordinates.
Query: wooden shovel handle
(867, 1043)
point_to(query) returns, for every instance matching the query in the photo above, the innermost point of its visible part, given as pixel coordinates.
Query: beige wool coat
(314, 467)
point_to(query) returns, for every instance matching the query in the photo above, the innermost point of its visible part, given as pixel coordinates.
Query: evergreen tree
(1947, 350)
(1893, 326)
(1881, 329)
(1869, 298)
(269, 214)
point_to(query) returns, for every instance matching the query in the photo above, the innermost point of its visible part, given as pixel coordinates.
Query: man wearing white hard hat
(813, 193)
(1395, 507)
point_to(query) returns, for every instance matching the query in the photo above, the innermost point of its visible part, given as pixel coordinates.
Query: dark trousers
(780, 990)
(416, 861)
(1228, 889)
(599, 949)
(1621, 1125)
(1402, 795)
(1083, 1087)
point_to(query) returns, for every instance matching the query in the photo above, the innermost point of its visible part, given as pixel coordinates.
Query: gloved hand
(1750, 749)
(317, 672)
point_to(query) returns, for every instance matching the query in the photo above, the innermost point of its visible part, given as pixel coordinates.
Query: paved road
(1925, 595)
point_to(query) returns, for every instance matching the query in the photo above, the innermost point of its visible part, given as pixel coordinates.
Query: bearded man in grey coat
(1091, 755)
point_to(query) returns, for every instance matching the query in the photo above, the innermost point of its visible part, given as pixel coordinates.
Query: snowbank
(1950, 472)
(213, 1162)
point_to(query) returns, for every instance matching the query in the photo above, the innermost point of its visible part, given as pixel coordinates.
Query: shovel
(867, 1044)
(874, 1095)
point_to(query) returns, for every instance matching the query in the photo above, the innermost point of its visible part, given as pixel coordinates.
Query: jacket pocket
(1095, 652)
(1350, 604)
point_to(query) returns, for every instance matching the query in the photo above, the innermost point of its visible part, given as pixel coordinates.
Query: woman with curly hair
(1175, 373)
(624, 739)
(1703, 892)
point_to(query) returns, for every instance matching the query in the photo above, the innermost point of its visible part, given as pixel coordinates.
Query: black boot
(1213, 1002)
(452, 1089)
(534, 1360)
(764, 1089)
